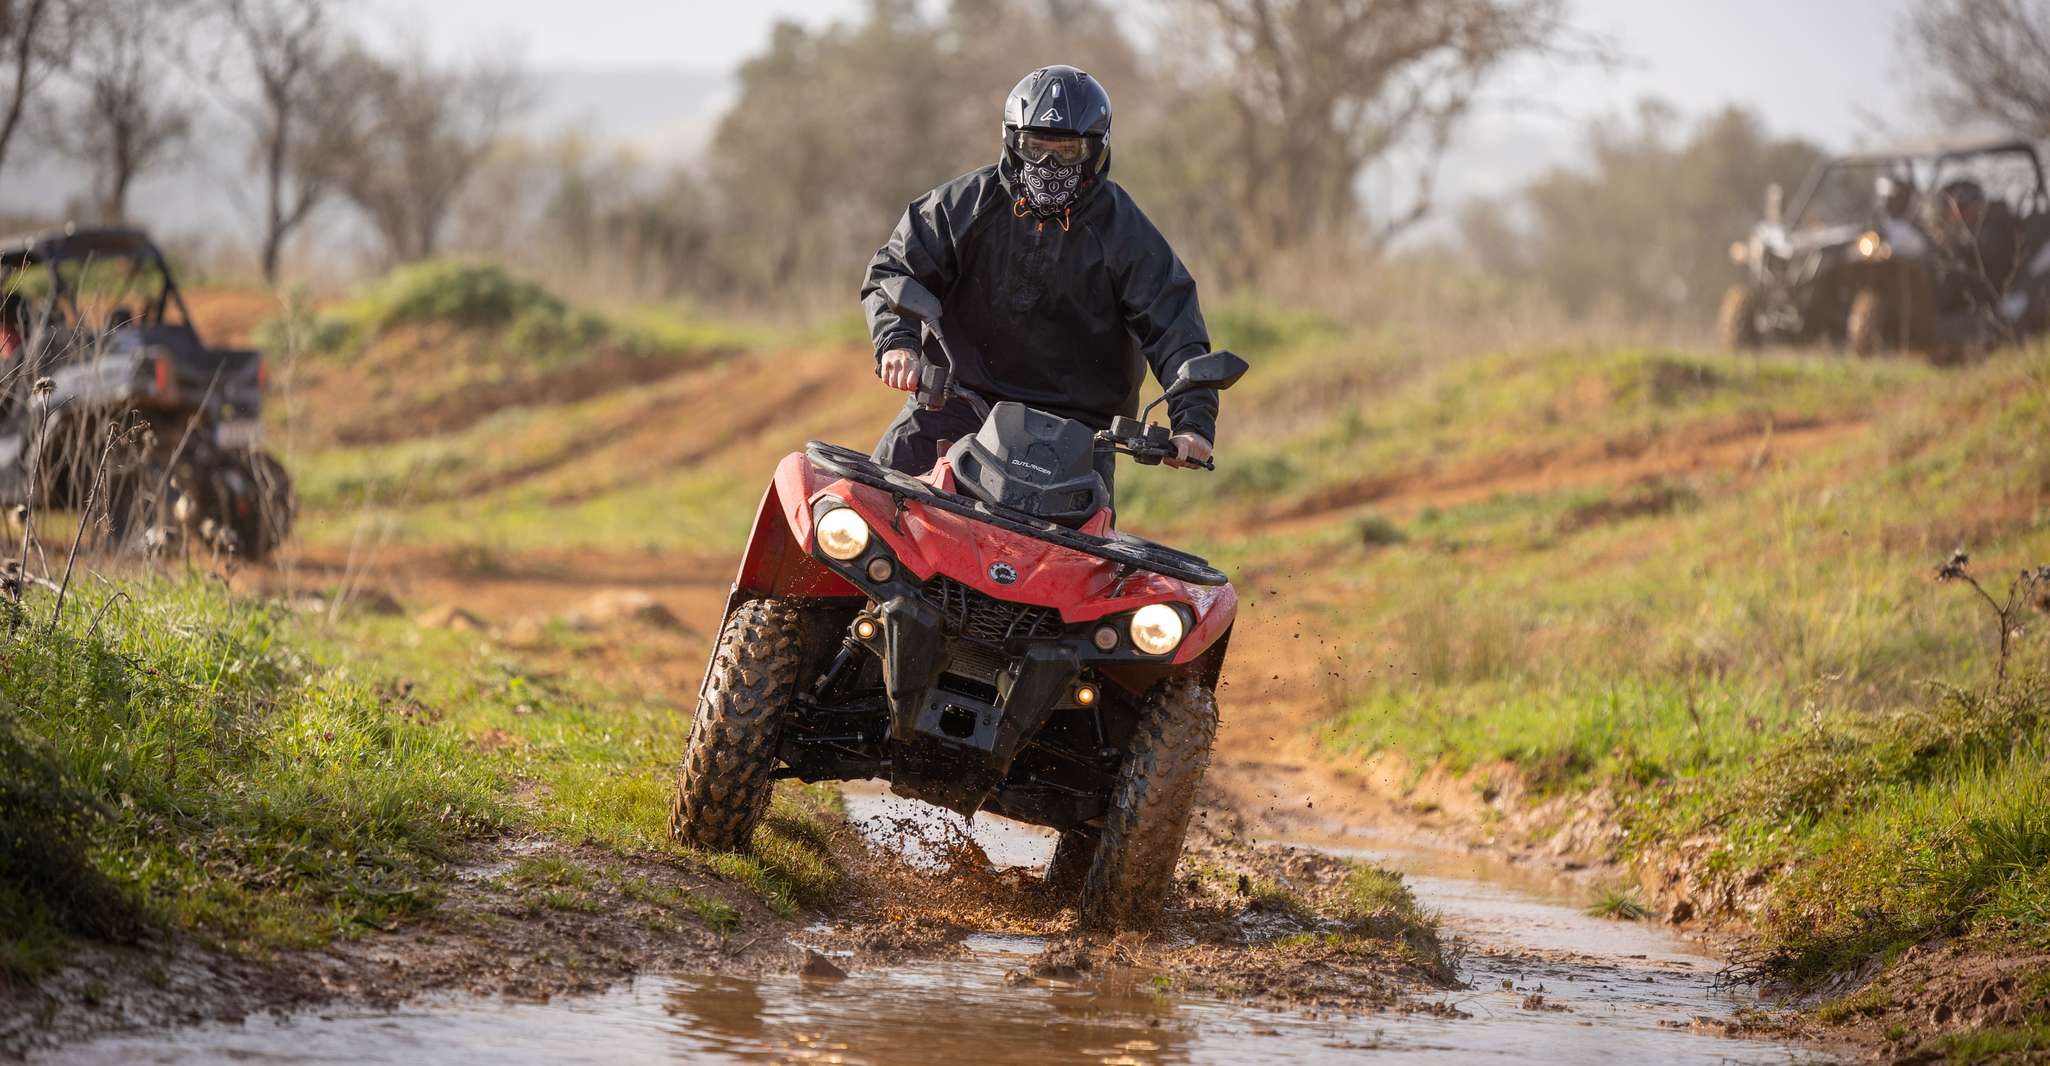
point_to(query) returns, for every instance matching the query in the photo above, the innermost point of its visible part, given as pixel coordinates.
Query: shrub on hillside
(458, 292)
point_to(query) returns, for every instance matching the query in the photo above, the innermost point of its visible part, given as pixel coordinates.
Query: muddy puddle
(1547, 984)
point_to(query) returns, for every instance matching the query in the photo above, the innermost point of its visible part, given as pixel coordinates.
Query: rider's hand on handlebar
(1190, 451)
(899, 369)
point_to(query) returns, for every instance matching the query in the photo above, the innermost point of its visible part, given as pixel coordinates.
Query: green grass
(1618, 906)
(522, 319)
(1996, 1043)
(1870, 1000)
(250, 779)
(238, 790)
(1744, 649)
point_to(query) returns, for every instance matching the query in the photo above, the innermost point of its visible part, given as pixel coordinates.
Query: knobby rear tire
(1737, 319)
(264, 527)
(1156, 788)
(723, 786)
(1073, 854)
(1870, 327)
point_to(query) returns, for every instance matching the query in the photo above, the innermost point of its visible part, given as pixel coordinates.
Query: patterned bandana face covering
(1049, 187)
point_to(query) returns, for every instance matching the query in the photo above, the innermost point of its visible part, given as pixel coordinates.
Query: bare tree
(123, 120)
(417, 134)
(1989, 60)
(35, 36)
(290, 48)
(1324, 89)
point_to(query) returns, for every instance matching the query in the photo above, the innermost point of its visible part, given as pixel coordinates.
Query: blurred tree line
(1248, 130)
(1243, 130)
(115, 85)
(1245, 126)
(1641, 230)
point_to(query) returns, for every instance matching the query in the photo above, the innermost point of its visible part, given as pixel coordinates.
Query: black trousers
(914, 438)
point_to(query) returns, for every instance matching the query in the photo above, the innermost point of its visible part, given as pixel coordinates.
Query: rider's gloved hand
(1189, 450)
(899, 369)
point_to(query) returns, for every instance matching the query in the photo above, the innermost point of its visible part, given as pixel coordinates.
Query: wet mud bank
(978, 963)
(521, 919)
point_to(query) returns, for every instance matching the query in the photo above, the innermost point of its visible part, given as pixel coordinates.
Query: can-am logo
(1003, 573)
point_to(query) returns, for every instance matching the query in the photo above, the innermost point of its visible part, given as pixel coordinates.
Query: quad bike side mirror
(910, 299)
(1212, 370)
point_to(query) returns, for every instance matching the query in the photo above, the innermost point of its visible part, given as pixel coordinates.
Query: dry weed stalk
(2029, 589)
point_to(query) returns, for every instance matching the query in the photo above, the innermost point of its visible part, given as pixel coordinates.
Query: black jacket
(1062, 319)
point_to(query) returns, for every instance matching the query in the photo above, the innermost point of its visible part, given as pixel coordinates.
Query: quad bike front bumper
(954, 740)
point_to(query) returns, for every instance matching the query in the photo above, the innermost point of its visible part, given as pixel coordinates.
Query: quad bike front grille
(977, 663)
(973, 616)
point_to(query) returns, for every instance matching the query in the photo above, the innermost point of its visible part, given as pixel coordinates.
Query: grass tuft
(1619, 906)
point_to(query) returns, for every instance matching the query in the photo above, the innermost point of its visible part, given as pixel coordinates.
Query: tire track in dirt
(1741, 448)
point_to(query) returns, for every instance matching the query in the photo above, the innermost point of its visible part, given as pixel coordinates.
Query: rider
(1054, 285)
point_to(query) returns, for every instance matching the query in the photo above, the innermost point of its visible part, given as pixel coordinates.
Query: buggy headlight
(1156, 628)
(1872, 246)
(843, 534)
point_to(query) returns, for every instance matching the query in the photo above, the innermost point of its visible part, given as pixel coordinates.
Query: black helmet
(1058, 100)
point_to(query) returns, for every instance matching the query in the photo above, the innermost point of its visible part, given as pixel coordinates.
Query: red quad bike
(979, 636)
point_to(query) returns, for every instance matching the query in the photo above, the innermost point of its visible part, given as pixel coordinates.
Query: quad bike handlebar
(1139, 438)
(1145, 442)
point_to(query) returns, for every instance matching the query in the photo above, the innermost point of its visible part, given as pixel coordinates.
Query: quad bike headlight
(1156, 628)
(842, 534)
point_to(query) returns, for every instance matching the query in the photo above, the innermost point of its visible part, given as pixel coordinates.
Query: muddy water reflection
(1608, 991)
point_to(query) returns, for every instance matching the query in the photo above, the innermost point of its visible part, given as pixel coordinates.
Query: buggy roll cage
(70, 244)
(1937, 155)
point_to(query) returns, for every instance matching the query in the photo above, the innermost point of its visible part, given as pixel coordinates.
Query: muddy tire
(1737, 321)
(1873, 325)
(1073, 854)
(723, 786)
(256, 494)
(1156, 789)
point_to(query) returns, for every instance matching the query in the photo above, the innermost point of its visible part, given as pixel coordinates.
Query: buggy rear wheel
(1737, 320)
(723, 787)
(1156, 789)
(255, 497)
(1873, 326)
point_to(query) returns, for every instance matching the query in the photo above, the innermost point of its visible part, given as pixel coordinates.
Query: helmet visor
(1064, 149)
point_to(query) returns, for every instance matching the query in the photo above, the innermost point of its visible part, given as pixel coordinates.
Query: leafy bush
(456, 291)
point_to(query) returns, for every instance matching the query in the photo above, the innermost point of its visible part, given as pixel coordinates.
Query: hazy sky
(1819, 67)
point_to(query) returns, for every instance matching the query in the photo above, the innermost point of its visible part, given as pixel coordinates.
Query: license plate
(238, 434)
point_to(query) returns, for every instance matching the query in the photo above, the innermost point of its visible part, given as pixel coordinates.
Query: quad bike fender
(776, 562)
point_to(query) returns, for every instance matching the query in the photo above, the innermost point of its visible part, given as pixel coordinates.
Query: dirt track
(1268, 779)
